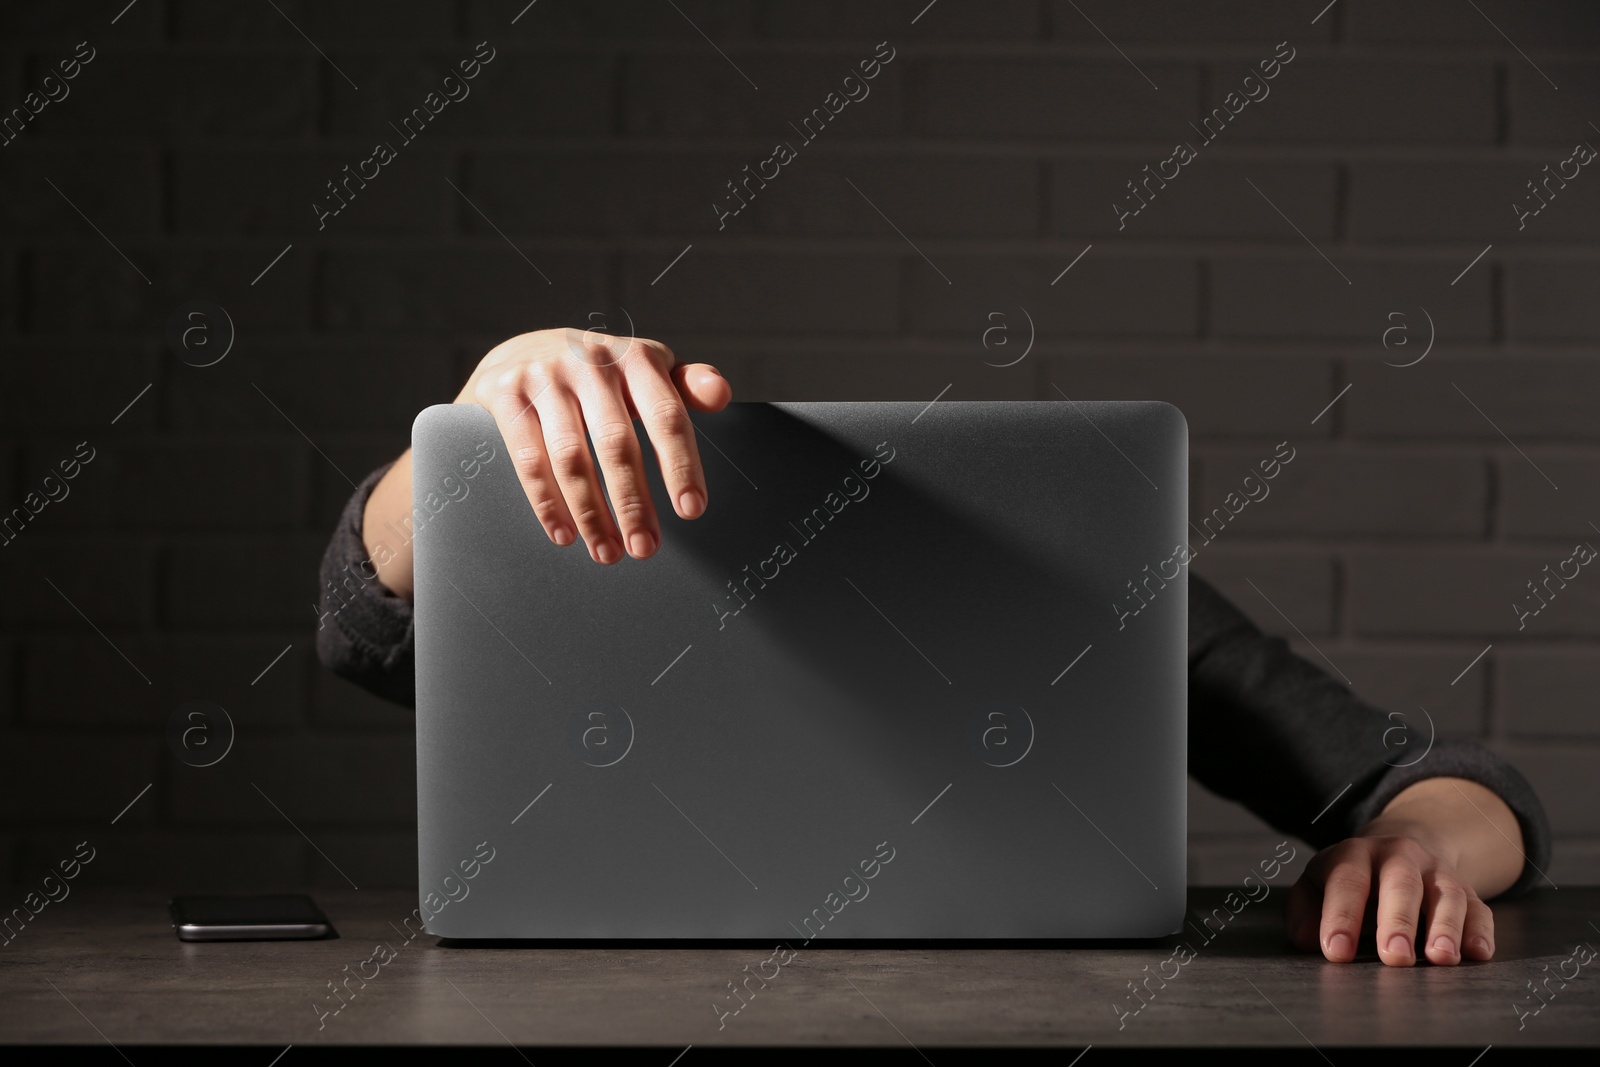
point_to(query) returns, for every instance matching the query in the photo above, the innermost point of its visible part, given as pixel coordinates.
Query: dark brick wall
(589, 154)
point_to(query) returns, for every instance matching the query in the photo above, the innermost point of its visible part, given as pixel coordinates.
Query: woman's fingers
(1418, 906)
(554, 392)
(1446, 901)
(514, 412)
(665, 419)
(1400, 892)
(702, 386)
(622, 462)
(567, 443)
(1346, 879)
(1478, 933)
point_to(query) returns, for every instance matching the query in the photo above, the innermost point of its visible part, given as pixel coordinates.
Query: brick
(1416, 685)
(1401, 101)
(1530, 396)
(1226, 861)
(8, 680)
(515, 94)
(244, 674)
(58, 689)
(10, 293)
(620, 20)
(493, 288)
(1551, 301)
(1457, 592)
(1222, 395)
(346, 23)
(152, 93)
(1209, 199)
(179, 863)
(1156, 21)
(203, 582)
(37, 23)
(356, 458)
(882, 376)
(934, 196)
(1470, 201)
(1338, 493)
(1576, 862)
(1107, 295)
(1300, 583)
(57, 385)
(373, 860)
(1301, 295)
(1558, 117)
(704, 94)
(41, 852)
(129, 205)
(279, 191)
(339, 781)
(339, 704)
(1441, 22)
(76, 679)
(1027, 97)
(1546, 692)
(178, 483)
(325, 388)
(843, 20)
(1526, 506)
(790, 292)
(623, 192)
(59, 777)
(108, 576)
(1564, 779)
(92, 288)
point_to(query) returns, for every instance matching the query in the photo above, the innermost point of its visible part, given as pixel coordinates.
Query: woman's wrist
(1463, 824)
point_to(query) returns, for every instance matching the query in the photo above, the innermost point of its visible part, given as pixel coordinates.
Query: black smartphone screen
(271, 917)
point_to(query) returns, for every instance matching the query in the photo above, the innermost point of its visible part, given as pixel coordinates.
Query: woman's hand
(1417, 874)
(553, 391)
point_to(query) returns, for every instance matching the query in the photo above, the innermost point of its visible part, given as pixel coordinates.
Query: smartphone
(281, 917)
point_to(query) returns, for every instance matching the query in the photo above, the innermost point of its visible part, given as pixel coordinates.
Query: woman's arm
(551, 393)
(1432, 825)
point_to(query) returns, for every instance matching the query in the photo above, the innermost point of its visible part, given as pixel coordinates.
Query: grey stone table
(105, 969)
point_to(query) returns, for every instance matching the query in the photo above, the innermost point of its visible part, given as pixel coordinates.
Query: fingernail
(1445, 945)
(562, 535)
(1482, 945)
(606, 551)
(1399, 945)
(1339, 945)
(689, 502)
(641, 544)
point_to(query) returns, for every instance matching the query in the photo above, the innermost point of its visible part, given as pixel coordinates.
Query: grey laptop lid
(915, 673)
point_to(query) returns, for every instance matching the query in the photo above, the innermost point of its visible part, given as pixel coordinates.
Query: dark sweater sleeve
(1298, 748)
(364, 632)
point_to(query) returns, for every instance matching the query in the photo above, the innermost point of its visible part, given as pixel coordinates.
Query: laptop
(917, 672)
